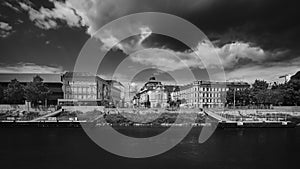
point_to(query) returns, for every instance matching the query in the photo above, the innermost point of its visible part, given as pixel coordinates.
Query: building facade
(153, 95)
(117, 93)
(205, 94)
(85, 89)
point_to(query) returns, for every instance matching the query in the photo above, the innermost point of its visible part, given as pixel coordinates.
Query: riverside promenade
(47, 115)
(153, 117)
(215, 116)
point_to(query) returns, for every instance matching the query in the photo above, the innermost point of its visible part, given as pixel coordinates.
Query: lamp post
(234, 98)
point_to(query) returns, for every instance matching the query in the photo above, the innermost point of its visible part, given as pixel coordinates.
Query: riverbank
(157, 117)
(150, 120)
(77, 124)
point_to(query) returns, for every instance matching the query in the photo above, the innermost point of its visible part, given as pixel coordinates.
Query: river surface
(71, 148)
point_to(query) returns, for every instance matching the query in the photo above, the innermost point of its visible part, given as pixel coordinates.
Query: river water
(71, 148)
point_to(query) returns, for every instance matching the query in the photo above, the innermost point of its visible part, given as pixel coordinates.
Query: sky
(254, 39)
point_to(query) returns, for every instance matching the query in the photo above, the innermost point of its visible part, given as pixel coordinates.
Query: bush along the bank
(164, 118)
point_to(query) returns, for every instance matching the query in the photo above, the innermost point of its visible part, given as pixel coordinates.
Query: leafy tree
(1, 94)
(293, 92)
(242, 97)
(296, 76)
(36, 91)
(14, 94)
(287, 94)
(260, 85)
(230, 96)
(277, 97)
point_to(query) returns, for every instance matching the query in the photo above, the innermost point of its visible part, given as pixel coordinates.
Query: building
(73, 88)
(82, 88)
(52, 80)
(117, 93)
(154, 94)
(206, 94)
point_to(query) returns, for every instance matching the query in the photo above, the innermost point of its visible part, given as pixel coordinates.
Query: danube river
(71, 148)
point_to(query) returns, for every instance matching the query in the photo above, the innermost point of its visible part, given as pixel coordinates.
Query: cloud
(165, 59)
(112, 37)
(11, 6)
(96, 13)
(5, 29)
(238, 54)
(271, 74)
(206, 56)
(29, 68)
(241, 61)
(46, 18)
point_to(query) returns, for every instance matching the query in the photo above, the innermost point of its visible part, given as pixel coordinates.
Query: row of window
(204, 90)
(80, 96)
(158, 96)
(205, 101)
(210, 89)
(74, 89)
(201, 95)
(81, 83)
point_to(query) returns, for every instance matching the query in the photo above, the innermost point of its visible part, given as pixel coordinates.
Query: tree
(36, 91)
(260, 85)
(242, 97)
(1, 94)
(287, 94)
(296, 76)
(277, 97)
(293, 91)
(14, 94)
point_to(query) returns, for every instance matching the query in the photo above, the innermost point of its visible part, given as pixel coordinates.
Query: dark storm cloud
(28, 43)
(271, 24)
(247, 33)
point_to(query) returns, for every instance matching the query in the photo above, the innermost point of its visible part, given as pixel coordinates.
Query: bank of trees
(16, 93)
(261, 94)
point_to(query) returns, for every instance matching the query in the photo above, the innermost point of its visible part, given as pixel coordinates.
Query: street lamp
(234, 98)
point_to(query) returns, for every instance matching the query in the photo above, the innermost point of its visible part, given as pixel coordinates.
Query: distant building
(205, 94)
(84, 89)
(52, 80)
(117, 93)
(154, 94)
